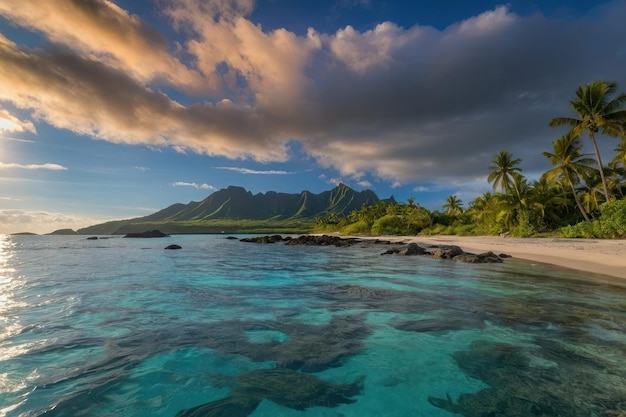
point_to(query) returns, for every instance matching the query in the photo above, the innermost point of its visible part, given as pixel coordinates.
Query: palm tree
(547, 201)
(569, 165)
(502, 170)
(453, 205)
(597, 112)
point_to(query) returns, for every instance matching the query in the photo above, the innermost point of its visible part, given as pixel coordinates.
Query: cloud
(65, 89)
(404, 105)
(203, 186)
(255, 172)
(102, 30)
(334, 181)
(51, 167)
(16, 221)
(16, 139)
(10, 123)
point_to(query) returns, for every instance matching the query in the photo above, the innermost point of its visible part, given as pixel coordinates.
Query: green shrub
(389, 224)
(613, 219)
(610, 225)
(360, 227)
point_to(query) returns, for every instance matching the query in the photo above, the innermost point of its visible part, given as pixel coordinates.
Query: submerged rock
(173, 247)
(286, 387)
(535, 381)
(441, 324)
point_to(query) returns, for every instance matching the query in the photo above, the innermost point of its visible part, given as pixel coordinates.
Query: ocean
(122, 327)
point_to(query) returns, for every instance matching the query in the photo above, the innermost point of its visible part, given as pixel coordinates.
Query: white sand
(607, 257)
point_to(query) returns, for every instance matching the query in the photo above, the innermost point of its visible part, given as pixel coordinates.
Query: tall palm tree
(569, 165)
(597, 113)
(502, 170)
(453, 205)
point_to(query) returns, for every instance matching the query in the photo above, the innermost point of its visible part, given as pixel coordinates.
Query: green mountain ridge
(236, 210)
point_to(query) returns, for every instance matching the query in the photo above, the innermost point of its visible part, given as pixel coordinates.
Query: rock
(263, 239)
(232, 238)
(92, 238)
(469, 258)
(445, 251)
(324, 240)
(412, 249)
(490, 257)
(149, 233)
(483, 258)
(173, 247)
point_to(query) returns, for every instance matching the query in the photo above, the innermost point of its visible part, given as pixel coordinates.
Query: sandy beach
(606, 257)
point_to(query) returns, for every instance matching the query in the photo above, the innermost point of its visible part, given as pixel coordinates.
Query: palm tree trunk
(580, 206)
(599, 159)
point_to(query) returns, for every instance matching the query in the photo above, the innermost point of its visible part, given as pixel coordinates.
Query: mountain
(234, 208)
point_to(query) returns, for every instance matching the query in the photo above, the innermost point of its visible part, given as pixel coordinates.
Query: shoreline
(598, 256)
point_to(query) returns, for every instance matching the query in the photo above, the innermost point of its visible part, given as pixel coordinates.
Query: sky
(117, 109)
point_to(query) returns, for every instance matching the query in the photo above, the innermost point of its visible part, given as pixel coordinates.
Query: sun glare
(8, 125)
(5, 271)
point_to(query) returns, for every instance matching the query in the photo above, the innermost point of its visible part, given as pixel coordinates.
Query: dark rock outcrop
(173, 247)
(410, 249)
(324, 240)
(264, 239)
(487, 257)
(452, 252)
(92, 238)
(447, 252)
(305, 240)
(149, 233)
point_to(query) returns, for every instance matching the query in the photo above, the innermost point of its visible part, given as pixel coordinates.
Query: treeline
(578, 197)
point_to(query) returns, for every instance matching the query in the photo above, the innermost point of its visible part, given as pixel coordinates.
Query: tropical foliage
(577, 197)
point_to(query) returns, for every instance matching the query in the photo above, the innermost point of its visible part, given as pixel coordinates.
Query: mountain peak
(237, 203)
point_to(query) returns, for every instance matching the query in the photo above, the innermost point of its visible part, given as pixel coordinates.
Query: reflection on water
(5, 272)
(222, 328)
(8, 304)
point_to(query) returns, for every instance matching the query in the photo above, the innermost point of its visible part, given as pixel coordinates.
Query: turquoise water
(121, 327)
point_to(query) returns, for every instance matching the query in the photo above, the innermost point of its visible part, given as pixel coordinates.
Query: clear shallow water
(122, 327)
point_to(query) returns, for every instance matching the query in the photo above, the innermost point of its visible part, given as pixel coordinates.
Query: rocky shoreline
(451, 252)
